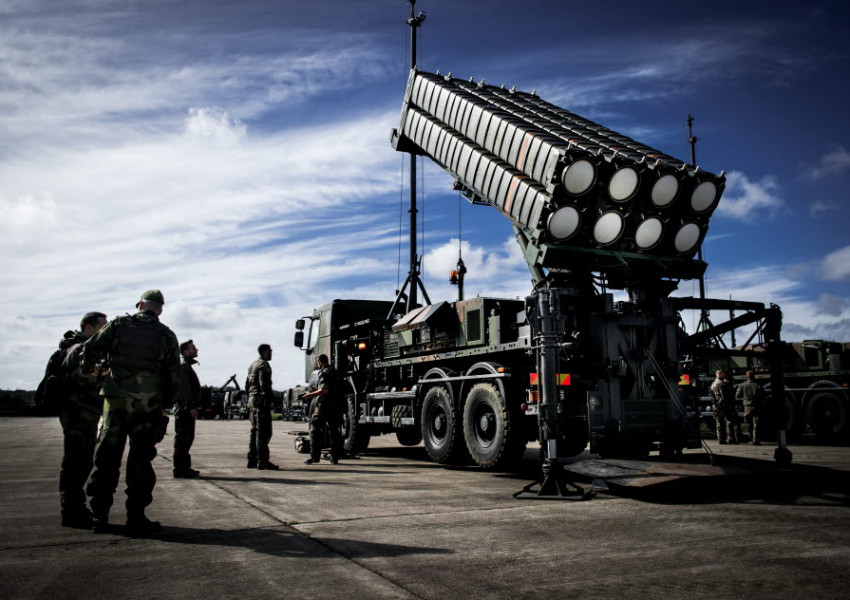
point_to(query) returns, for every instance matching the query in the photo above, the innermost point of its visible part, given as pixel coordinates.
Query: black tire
(408, 436)
(826, 414)
(492, 432)
(355, 438)
(440, 427)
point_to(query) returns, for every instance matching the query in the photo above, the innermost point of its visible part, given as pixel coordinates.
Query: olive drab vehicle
(816, 376)
(594, 212)
(227, 402)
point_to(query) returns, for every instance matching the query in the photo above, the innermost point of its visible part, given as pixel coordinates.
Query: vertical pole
(703, 315)
(414, 263)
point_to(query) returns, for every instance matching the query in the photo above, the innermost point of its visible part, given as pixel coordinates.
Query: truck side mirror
(299, 339)
(299, 324)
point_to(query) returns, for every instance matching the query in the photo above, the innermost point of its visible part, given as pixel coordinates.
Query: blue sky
(236, 155)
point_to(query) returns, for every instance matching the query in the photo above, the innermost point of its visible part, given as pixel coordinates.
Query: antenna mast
(413, 279)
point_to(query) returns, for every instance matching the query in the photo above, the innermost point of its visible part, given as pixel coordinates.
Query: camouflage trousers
(261, 435)
(751, 416)
(143, 425)
(324, 424)
(184, 437)
(79, 427)
(727, 426)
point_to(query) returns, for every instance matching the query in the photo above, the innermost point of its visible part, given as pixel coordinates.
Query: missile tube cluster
(561, 178)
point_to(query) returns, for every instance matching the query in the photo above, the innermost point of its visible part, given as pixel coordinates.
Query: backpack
(52, 392)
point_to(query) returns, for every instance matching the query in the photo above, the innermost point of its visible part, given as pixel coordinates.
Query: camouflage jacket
(751, 393)
(190, 386)
(144, 360)
(83, 388)
(328, 381)
(723, 393)
(259, 384)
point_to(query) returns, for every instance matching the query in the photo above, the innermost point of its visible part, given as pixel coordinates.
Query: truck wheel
(440, 430)
(408, 436)
(355, 437)
(492, 440)
(827, 415)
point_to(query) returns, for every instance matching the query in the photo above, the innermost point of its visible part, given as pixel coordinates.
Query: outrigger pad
(552, 488)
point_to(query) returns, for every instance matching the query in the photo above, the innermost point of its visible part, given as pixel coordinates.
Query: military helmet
(152, 295)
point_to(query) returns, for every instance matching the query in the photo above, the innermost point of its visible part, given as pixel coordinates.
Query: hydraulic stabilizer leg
(555, 484)
(772, 328)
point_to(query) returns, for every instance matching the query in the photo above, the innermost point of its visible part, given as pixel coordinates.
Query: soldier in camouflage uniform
(723, 403)
(258, 386)
(752, 395)
(325, 418)
(79, 415)
(143, 381)
(187, 413)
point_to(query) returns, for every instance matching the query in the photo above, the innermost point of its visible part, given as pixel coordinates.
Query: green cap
(153, 295)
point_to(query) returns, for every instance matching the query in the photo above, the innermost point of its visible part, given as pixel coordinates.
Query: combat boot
(268, 466)
(100, 523)
(77, 518)
(186, 474)
(139, 526)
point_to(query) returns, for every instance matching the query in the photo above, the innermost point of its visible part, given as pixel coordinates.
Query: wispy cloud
(121, 175)
(769, 284)
(648, 65)
(743, 198)
(821, 208)
(833, 162)
(832, 305)
(500, 272)
(72, 88)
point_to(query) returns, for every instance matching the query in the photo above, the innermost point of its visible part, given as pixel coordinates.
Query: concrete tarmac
(390, 524)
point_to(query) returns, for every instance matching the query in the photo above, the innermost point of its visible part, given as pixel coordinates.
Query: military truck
(593, 212)
(817, 385)
(235, 405)
(292, 405)
(228, 401)
(817, 377)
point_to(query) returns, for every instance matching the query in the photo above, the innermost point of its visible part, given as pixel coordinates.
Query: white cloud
(744, 198)
(833, 162)
(836, 265)
(214, 124)
(832, 305)
(801, 318)
(820, 208)
(28, 216)
(499, 273)
(240, 232)
(651, 66)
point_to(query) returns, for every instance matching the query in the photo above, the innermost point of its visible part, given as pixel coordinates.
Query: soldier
(79, 415)
(187, 412)
(725, 417)
(325, 415)
(753, 396)
(260, 399)
(142, 383)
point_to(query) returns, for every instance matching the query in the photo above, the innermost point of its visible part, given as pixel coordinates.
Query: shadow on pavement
(287, 543)
(729, 479)
(266, 480)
